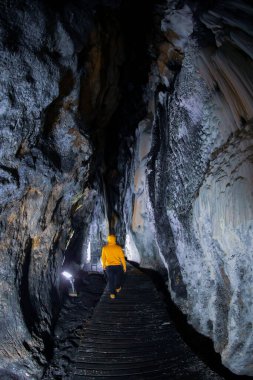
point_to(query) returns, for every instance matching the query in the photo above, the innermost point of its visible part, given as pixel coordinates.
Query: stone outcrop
(49, 182)
(191, 176)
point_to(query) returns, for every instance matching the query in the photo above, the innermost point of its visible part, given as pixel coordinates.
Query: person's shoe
(112, 296)
(118, 290)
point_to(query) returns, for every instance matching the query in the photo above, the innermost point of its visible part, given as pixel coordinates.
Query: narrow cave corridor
(132, 118)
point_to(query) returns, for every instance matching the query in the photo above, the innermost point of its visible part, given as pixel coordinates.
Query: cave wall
(57, 87)
(181, 174)
(189, 199)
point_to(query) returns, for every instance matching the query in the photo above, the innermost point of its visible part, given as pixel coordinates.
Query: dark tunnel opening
(110, 137)
(114, 138)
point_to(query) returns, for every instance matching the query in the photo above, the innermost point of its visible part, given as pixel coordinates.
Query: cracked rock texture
(191, 175)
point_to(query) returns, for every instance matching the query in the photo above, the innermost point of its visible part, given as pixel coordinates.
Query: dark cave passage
(118, 106)
(113, 140)
(133, 118)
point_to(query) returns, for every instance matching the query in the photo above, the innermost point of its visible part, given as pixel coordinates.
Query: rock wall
(72, 78)
(190, 196)
(53, 78)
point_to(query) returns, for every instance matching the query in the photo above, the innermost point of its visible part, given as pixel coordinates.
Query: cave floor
(133, 337)
(74, 315)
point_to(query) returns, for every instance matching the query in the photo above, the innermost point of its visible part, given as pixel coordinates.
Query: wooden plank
(130, 338)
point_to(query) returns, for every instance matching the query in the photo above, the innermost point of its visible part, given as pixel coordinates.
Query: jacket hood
(111, 239)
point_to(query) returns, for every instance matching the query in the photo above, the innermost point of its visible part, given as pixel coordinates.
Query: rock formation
(191, 177)
(47, 165)
(149, 125)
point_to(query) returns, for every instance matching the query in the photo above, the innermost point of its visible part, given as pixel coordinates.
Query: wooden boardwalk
(132, 337)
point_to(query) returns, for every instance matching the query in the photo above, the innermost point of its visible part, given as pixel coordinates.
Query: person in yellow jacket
(114, 263)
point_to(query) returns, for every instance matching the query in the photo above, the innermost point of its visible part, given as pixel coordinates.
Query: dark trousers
(115, 276)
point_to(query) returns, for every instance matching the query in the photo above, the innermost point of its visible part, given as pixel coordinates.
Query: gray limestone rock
(179, 180)
(192, 185)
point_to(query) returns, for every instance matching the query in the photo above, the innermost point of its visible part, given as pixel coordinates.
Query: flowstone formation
(191, 174)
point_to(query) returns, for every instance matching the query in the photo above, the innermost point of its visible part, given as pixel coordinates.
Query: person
(114, 263)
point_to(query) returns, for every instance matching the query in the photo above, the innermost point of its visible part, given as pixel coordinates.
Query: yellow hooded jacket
(112, 254)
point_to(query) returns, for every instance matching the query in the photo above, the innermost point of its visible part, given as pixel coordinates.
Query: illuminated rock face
(46, 164)
(192, 188)
(185, 202)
